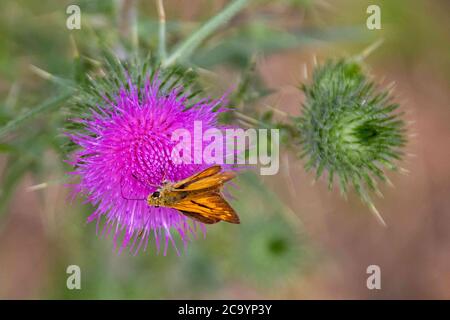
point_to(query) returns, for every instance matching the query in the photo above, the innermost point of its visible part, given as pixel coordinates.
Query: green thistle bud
(350, 129)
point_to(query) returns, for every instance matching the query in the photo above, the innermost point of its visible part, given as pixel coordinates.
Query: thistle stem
(127, 21)
(193, 41)
(162, 30)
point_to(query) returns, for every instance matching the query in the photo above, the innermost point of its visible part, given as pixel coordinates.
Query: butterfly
(198, 196)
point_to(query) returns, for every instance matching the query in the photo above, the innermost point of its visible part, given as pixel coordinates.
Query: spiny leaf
(35, 111)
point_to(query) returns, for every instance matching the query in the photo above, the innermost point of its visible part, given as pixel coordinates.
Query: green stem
(192, 42)
(162, 30)
(47, 105)
(127, 21)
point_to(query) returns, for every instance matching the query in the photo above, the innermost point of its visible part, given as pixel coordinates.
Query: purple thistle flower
(126, 153)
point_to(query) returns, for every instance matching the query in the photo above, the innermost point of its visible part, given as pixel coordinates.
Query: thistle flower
(349, 129)
(125, 152)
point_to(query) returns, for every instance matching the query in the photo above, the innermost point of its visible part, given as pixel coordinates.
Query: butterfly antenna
(145, 223)
(164, 175)
(146, 184)
(121, 192)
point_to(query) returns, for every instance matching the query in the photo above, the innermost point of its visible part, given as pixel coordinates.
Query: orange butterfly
(198, 196)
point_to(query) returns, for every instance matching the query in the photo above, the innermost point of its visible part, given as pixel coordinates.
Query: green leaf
(46, 106)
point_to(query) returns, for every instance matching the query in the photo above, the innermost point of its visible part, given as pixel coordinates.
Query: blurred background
(297, 240)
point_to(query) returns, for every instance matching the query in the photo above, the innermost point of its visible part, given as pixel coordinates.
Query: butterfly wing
(209, 178)
(207, 207)
(200, 175)
(200, 218)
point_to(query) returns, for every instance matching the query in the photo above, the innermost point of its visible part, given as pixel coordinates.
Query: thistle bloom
(125, 153)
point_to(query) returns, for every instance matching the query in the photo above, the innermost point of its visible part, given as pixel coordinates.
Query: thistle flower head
(349, 128)
(124, 153)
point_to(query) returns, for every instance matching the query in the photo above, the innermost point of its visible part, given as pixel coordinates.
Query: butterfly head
(154, 199)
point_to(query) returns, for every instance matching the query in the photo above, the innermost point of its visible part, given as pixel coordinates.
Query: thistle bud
(349, 128)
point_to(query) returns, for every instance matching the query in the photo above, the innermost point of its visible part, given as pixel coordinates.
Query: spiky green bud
(349, 128)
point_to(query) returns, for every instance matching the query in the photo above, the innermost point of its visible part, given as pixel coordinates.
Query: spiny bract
(349, 128)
